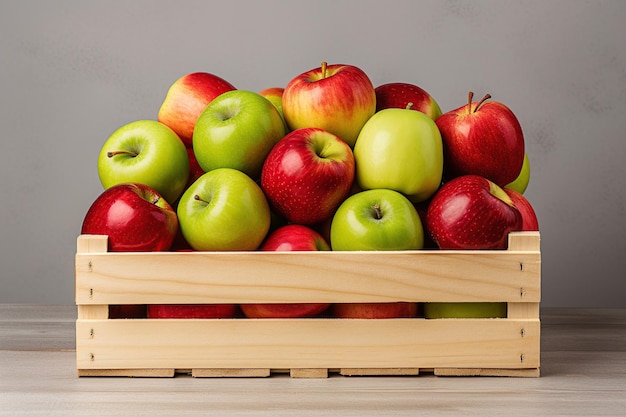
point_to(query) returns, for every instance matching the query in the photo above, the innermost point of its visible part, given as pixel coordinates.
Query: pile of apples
(327, 162)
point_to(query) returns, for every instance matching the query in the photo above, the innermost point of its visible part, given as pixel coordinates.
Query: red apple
(400, 95)
(307, 174)
(134, 216)
(127, 311)
(195, 170)
(374, 310)
(471, 212)
(337, 98)
(529, 217)
(186, 99)
(282, 311)
(191, 311)
(483, 138)
(292, 237)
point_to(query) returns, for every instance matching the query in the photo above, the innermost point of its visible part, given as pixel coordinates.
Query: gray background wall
(72, 72)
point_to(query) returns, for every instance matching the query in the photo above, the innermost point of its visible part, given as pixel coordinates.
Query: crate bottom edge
(308, 372)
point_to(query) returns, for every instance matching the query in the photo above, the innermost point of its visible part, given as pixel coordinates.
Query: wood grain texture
(252, 277)
(307, 343)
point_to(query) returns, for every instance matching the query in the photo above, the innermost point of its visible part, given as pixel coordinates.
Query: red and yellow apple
(186, 99)
(337, 98)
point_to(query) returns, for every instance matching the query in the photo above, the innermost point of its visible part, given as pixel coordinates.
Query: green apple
(480, 310)
(146, 152)
(237, 130)
(521, 182)
(378, 219)
(402, 150)
(224, 210)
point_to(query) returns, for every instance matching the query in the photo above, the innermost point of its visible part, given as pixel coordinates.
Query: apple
(237, 130)
(402, 150)
(521, 182)
(529, 217)
(187, 98)
(224, 210)
(275, 96)
(483, 138)
(282, 311)
(374, 310)
(146, 152)
(195, 170)
(471, 212)
(191, 311)
(479, 310)
(400, 95)
(378, 219)
(307, 175)
(134, 217)
(292, 237)
(127, 311)
(337, 98)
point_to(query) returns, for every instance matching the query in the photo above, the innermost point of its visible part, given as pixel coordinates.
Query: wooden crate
(308, 347)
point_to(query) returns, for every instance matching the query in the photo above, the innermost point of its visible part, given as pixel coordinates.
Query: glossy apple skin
(237, 130)
(230, 212)
(307, 175)
(134, 217)
(401, 150)
(339, 102)
(520, 184)
(374, 310)
(185, 100)
(195, 170)
(399, 95)
(292, 237)
(275, 96)
(282, 311)
(471, 212)
(488, 142)
(355, 225)
(191, 311)
(146, 152)
(480, 310)
(529, 217)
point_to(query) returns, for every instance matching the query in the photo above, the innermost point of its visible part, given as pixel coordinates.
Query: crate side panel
(307, 343)
(201, 277)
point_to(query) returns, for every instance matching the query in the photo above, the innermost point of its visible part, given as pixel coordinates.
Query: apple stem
(112, 154)
(378, 214)
(324, 65)
(409, 106)
(470, 96)
(156, 199)
(198, 198)
(480, 103)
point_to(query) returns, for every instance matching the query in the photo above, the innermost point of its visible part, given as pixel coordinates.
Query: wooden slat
(527, 373)
(145, 372)
(252, 277)
(309, 373)
(379, 371)
(230, 372)
(307, 343)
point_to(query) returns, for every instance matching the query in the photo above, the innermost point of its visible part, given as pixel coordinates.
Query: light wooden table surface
(583, 374)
